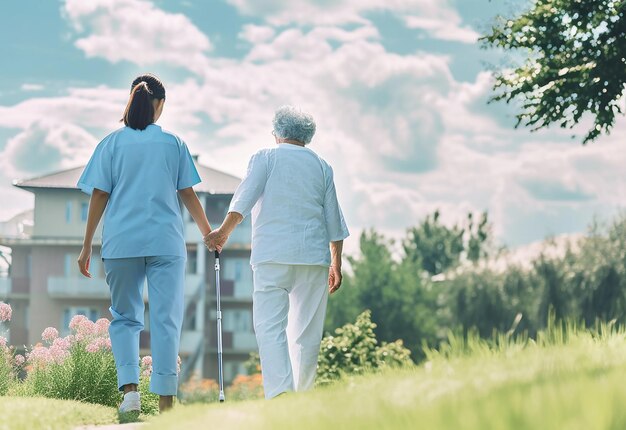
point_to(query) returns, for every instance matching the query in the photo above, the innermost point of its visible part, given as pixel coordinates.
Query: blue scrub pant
(166, 285)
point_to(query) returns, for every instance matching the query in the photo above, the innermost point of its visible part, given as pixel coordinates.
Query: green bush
(354, 350)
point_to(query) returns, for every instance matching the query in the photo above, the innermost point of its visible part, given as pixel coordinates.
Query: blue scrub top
(141, 170)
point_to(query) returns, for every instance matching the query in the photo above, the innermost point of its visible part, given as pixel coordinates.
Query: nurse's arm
(97, 204)
(193, 205)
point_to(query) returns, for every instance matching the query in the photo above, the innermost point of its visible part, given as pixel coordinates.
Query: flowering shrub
(149, 400)
(246, 387)
(7, 363)
(198, 390)
(77, 367)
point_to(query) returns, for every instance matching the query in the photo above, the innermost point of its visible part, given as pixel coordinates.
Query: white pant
(289, 305)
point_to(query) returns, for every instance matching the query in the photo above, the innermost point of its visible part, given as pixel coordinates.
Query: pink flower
(19, 360)
(107, 343)
(146, 361)
(5, 311)
(93, 347)
(57, 354)
(102, 326)
(39, 355)
(147, 373)
(63, 342)
(76, 320)
(86, 327)
(3, 342)
(50, 334)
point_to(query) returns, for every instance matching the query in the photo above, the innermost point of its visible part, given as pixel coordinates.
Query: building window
(71, 312)
(84, 211)
(68, 212)
(192, 261)
(238, 320)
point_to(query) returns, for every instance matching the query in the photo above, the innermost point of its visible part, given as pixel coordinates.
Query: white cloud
(437, 17)
(44, 147)
(137, 31)
(444, 27)
(256, 33)
(31, 87)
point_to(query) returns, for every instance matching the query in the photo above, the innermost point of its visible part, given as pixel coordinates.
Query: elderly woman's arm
(334, 273)
(218, 237)
(244, 199)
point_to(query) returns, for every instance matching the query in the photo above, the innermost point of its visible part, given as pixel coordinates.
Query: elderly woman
(297, 234)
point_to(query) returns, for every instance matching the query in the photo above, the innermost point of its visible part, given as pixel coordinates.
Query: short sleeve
(187, 173)
(335, 223)
(98, 172)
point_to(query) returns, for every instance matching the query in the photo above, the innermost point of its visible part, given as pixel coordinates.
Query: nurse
(138, 173)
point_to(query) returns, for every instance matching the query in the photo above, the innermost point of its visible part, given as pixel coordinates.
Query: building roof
(213, 181)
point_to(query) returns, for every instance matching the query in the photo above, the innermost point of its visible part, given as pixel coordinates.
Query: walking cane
(220, 370)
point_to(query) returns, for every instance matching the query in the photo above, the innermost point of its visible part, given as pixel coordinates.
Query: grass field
(566, 379)
(33, 413)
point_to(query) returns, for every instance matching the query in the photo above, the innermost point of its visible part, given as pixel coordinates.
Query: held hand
(334, 279)
(215, 240)
(83, 261)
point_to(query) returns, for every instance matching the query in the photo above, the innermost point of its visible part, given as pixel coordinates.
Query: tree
(401, 306)
(438, 248)
(434, 246)
(575, 62)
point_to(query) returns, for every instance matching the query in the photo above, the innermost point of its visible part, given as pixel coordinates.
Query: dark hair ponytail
(139, 111)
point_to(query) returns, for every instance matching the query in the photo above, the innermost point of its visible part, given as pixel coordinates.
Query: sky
(398, 88)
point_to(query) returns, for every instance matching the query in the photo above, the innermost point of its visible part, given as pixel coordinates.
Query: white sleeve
(251, 187)
(335, 223)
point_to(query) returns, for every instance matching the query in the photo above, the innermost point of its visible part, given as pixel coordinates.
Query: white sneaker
(131, 403)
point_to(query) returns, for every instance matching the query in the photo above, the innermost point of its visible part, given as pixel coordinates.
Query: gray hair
(291, 123)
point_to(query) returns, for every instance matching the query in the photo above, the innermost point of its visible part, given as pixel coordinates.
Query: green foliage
(433, 246)
(354, 350)
(586, 283)
(149, 400)
(7, 372)
(402, 299)
(574, 62)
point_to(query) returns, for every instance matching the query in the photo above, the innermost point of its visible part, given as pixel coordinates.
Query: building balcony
(5, 288)
(67, 287)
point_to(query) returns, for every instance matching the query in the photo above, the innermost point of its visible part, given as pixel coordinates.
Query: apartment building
(45, 288)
